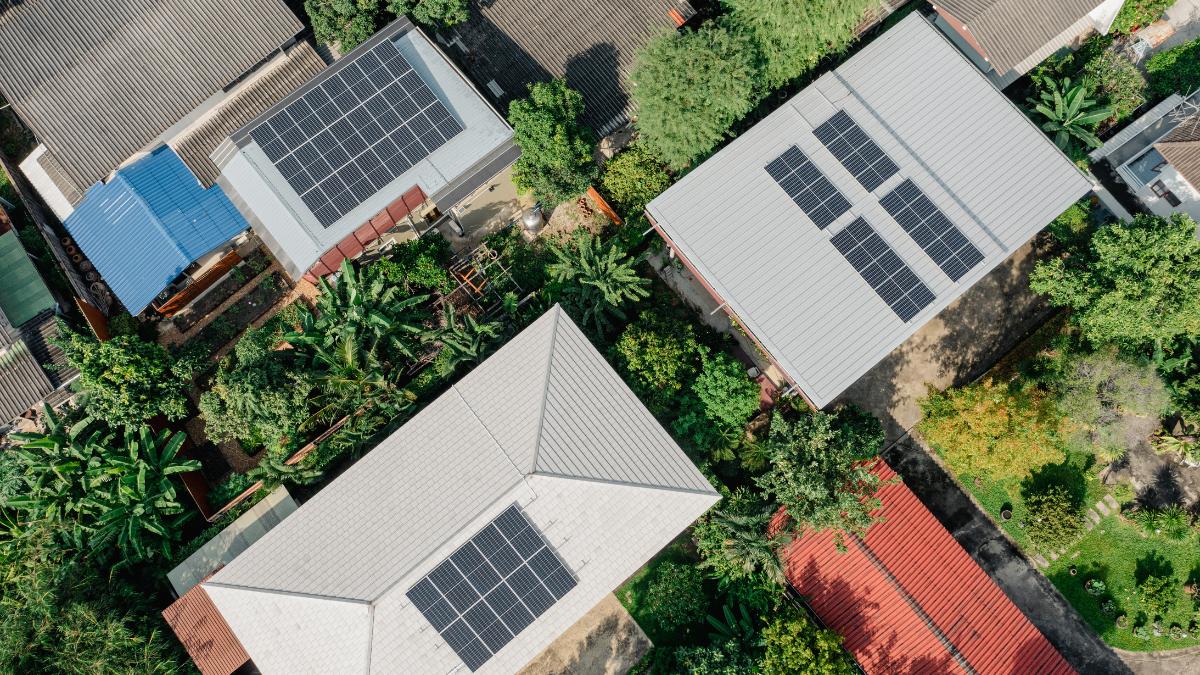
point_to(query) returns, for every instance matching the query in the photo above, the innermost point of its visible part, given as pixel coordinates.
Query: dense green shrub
(127, 380)
(1136, 14)
(1101, 392)
(594, 280)
(817, 473)
(231, 486)
(1172, 522)
(1156, 594)
(1072, 227)
(1119, 84)
(343, 23)
(633, 177)
(1174, 71)
(418, 265)
(992, 429)
(790, 38)
(728, 658)
(794, 644)
(660, 357)
(722, 399)
(684, 112)
(556, 152)
(676, 594)
(432, 13)
(1055, 516)
(732, 541)
(1136, 285)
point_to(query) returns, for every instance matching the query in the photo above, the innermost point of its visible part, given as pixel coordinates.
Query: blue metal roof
(145, 226)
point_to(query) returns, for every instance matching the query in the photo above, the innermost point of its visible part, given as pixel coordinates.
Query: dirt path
(606, 641)
(1174, 662)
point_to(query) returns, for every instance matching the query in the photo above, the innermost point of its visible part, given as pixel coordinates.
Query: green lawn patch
(1118, 553)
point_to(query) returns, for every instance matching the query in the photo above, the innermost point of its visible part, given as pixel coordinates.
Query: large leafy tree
(556, 152)
(659, 357)
(791, 36)
(820, 472)
(343, 23)
(594, 280)
(1069, 113)
(434, 13)
(259, 395)
(1136, 285)
(126, 379)
(690, 86)
(633, 177)
(723, 398)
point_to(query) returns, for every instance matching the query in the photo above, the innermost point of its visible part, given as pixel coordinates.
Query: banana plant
(1069, 112)
(465, 341)
(596, 279)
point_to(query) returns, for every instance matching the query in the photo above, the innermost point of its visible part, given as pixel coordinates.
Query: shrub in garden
(817, 473)
(1172, 522)
(1073, 226)
(1156, 594)
(1176, 70)
(793, 643)
(418, 265)
(1136, 14)
(1095, 587)
(987, 428)
(720, 659)
(733, 542)
(1100, 392)
(556, 152)
(683, 113)
(633, 177)
(594, 280)
(1068, 113)
(223, 492)
(343, 23)
(676, 594)
(127, 379)
(723, 398)
(1119, 84)
(659, 356)
(1055, 516)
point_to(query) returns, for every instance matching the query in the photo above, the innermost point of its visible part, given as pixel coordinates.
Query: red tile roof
(908, 599)
(204, 634)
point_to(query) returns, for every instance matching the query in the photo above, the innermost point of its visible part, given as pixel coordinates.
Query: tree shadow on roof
(596, 73)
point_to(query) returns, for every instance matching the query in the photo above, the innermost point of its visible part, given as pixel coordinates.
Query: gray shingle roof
(98, 81)
(977, 158)
(544, 422)
(1011, 30)
(592, 44)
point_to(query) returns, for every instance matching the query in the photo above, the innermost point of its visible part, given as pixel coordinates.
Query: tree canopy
(126, 379)
(684, 112)
(432, 13)
(791, 36)
(819, 471)
(343, 23)
(1136, 285)
(556, 152)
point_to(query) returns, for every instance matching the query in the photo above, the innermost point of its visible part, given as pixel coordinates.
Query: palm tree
(466, 341)
(349, 375)
(140, 510)
(596, 279)
(361, 303)
(747, 545)
(59, 466)
(1070, 113)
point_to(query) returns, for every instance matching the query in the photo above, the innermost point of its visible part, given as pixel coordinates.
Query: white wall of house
(1188, 196)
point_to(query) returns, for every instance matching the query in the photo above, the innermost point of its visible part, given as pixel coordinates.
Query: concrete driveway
(957, 346)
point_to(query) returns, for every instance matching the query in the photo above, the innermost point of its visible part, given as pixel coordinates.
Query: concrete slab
(1112, 502)
(1103, 508)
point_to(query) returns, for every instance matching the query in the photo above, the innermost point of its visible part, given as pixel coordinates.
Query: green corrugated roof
(23, 294)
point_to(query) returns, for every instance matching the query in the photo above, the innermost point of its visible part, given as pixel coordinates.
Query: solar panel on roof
(492, 587)
(861, 156)
(886, 273)
(355, 132)
(808, 187)
(931, 229)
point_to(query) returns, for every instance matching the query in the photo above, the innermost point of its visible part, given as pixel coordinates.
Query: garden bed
(237, 278)
(234, 320)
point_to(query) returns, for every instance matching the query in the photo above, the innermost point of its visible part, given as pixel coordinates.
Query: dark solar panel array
(492, 587)
(855, 150)
(882, 269)
(808, 187)
(355, 132)
(932, 230)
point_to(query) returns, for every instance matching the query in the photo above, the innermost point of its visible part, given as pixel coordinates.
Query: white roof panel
(976, 157)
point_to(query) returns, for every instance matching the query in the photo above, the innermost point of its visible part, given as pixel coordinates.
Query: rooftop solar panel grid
(884, 271)
(861, 156)
(808, 187)
(932, 230)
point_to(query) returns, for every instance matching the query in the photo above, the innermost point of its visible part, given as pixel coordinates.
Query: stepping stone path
(1040, 562)
(1105, 507)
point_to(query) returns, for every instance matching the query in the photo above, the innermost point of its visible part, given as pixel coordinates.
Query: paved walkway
(1031, 592)
(1174, 662)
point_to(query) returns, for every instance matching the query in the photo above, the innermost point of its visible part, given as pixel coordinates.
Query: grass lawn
(1117, 553)
(632, 595)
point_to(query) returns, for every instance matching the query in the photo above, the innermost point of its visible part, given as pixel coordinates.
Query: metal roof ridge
(625, 483)
(277, 591)
(541, 421)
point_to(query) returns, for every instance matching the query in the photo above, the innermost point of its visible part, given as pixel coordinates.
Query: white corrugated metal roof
(545, 423)
(976, 156)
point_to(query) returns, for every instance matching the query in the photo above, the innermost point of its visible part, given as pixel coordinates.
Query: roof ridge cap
(279, 591)
(541, 421)
(137, 193)
(625, 483)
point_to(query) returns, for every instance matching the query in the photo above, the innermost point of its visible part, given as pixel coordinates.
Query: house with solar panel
(127, 100)
(469, 539)
(392, 134)
(850, 216)
(1007, 38)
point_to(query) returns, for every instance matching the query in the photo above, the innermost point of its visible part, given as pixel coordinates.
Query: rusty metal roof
(204, 633)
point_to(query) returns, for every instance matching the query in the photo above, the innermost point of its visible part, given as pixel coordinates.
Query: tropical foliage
(677, 593)
(723, 398)
(660, 358)
(464, 340)
(556, 152)
(417, 265)
(794, 644)
(735, 542)
(432, 13)
(683, 113)
(818, 470)
(126, 379)
(594, 280)
(633, 177)
(1136, 14)
(342, 23)
(1069, 113)
(1119, 84)
(1175, 70)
